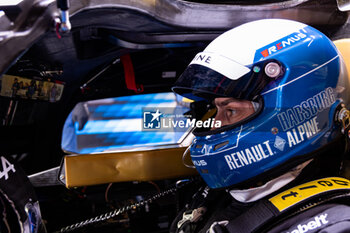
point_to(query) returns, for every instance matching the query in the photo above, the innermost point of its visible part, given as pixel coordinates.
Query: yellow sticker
(302, 192)
(186, 100)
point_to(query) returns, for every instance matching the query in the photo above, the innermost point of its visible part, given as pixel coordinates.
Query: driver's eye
(232, 112)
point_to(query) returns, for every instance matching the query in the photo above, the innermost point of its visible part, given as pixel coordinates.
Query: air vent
(218, 146)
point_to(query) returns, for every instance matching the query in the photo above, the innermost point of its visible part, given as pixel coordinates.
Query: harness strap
(253, 218)
(288, 202)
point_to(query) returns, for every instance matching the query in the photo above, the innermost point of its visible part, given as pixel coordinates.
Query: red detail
(130, 75)
(279, 46)
(265, 53)
(58, 31)
(83, 90)
(219, 85)
(59, 82)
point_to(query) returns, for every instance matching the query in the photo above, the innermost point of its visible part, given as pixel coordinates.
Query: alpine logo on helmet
(225, 66)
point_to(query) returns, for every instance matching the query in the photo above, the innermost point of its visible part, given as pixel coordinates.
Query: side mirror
(343, 5)
(16, 87)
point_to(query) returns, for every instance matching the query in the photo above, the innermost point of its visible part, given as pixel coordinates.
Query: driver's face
(230, 110)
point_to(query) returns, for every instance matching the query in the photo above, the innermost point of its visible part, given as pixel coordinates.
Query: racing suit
(303, 205)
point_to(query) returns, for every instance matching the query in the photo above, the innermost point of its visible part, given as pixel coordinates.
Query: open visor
(199, 81)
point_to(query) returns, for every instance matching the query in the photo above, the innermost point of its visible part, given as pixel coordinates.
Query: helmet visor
(201, 82)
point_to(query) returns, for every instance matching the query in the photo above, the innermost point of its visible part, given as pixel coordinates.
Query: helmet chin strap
(257, 193)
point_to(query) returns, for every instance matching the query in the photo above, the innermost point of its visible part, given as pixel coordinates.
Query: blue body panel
(116, 124)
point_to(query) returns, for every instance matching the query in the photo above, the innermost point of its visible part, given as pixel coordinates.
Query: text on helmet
(249, 155)
(306, 109)
(283, 43)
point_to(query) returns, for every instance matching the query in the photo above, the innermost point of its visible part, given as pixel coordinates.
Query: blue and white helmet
(296, 74)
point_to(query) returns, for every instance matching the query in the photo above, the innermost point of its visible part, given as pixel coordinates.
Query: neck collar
(254, 194)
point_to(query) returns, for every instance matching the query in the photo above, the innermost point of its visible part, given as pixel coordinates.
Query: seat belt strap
(253, 218)
(287, 201)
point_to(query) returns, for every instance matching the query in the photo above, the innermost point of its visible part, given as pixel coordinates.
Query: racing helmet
(297, 77)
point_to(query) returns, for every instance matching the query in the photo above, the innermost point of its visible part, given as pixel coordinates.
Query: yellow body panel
(92, 169)
(343, 45)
